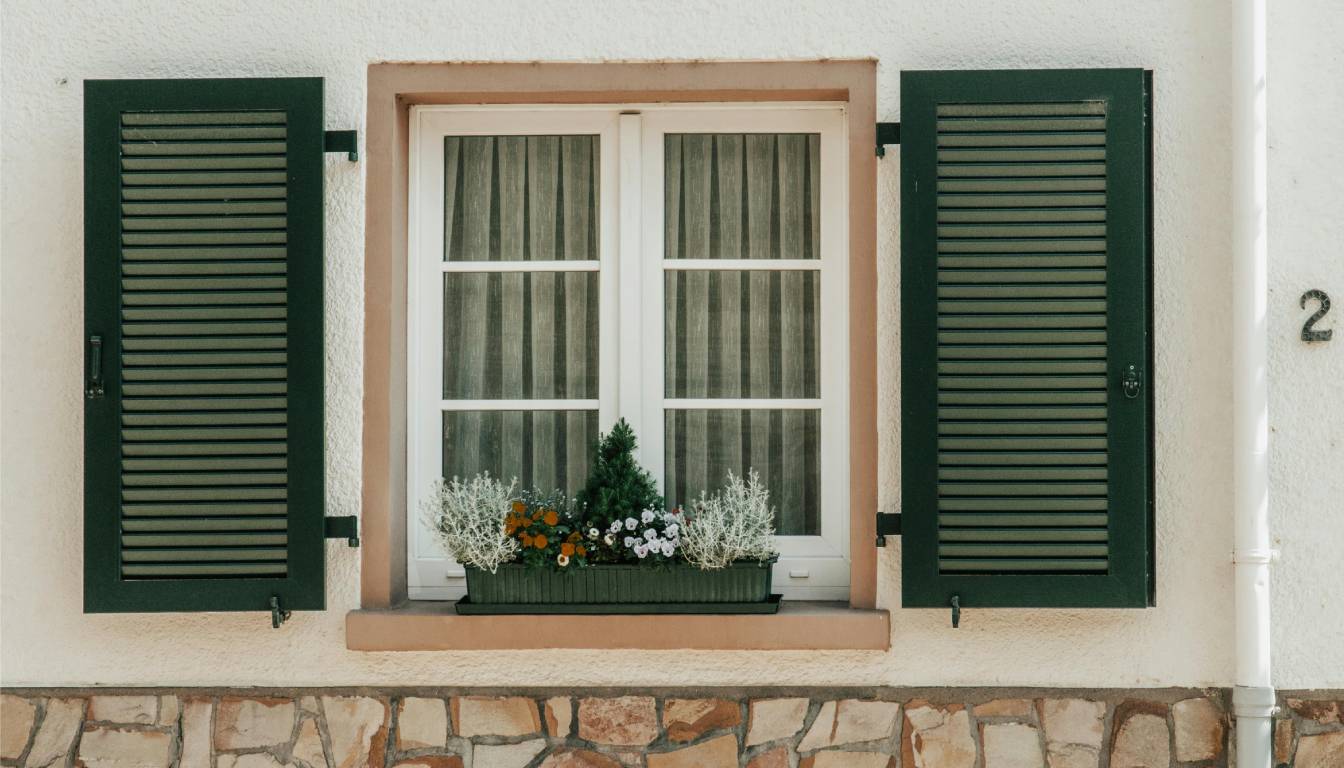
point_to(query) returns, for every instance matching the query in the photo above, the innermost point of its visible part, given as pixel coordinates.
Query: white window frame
(630, 266)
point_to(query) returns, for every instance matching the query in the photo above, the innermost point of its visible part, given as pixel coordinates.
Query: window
(684, 268)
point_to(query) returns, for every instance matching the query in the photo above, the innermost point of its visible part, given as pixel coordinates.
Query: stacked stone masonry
(631, 729)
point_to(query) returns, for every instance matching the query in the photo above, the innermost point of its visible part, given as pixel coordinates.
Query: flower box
(743, 587)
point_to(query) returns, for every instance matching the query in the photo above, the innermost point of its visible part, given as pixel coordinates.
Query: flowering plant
(617, 518)
(653, 537)
(545, 531)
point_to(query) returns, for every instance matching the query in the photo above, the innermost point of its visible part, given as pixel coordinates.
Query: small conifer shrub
(618, 489)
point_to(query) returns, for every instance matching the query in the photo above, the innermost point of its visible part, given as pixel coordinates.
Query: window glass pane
(736, 196)
(520, 335)
(781, 445)
(547, 450)
(520, 198)
(736, 333)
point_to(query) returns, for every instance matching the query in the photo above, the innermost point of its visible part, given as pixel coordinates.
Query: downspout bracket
(1254, 701)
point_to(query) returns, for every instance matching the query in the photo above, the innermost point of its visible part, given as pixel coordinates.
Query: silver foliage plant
(468, 520)
(735, 523)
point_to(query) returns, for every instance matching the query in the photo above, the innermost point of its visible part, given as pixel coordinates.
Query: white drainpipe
(1253, 696)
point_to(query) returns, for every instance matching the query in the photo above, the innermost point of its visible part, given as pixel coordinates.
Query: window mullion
(519, 405)
(520, 266)
(742, 403)
(631, 395)
(764, 265)
(649, 333)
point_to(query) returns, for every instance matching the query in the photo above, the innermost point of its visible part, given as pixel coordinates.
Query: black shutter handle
(1132, 382)
(94, 387)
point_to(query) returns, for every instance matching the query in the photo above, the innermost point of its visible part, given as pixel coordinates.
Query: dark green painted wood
(467, 608)
(1043, 496)
(514, 583)
(223, 509)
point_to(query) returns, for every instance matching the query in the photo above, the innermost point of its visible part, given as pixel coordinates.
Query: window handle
(94, 387)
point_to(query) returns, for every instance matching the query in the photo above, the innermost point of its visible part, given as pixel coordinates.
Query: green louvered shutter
(203, 284)
(1025, 301)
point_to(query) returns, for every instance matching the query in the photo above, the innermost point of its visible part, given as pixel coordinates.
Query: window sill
(435, 626)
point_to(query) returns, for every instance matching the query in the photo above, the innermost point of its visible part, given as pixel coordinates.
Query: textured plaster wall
(1306, 242)
(49, 47)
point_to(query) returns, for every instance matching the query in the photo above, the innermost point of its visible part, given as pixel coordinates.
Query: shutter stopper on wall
(278, 615)
(342, 141)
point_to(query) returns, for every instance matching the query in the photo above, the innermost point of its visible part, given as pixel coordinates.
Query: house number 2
(1309, 332)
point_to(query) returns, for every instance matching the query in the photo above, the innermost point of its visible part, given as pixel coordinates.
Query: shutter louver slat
(224, 193)
(136, 525)
(201, 434)
(1021, 473)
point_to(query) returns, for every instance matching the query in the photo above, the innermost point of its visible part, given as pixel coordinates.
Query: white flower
(616, 526)
(631, 523)
(642, 551)
(646, 516)
(650, 534)
(562, 560)
(668, 548)
(592, 534)
(631, 541)
(609, 539)
(672, 529)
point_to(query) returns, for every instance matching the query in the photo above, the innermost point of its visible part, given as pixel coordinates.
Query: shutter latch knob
(1132, 382)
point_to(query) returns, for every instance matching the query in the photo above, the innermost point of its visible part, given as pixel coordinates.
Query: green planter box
(743, 587)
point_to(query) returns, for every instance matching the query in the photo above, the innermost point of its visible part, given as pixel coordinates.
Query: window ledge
(435, 626)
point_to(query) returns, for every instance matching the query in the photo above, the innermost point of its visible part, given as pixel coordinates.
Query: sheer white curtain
(520, 335)
(730, 333)
(735, 333)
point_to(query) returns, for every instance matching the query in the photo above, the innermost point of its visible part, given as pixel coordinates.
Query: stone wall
(874, 728)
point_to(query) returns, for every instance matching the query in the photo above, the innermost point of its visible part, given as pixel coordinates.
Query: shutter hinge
(888, 524)
(887, 133)
(346, 527)
(342, 141)
(955, 602)
(278, 615)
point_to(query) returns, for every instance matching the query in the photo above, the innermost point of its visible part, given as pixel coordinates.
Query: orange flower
(575, 536)
(551, 517)
(519, 507)
(582, 550)
(566, 549)
(539, 541)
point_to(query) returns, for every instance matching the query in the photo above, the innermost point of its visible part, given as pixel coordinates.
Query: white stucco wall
(1306, 396)
(49, 47)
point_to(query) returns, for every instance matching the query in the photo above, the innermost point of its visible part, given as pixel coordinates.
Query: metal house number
(1309, 332)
